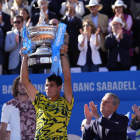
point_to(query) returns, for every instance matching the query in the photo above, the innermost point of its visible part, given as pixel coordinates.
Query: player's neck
(22, 97)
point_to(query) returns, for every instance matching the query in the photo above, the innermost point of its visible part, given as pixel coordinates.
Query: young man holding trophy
(53, 112)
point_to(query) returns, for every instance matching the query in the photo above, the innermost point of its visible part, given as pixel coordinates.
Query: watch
(62, 54)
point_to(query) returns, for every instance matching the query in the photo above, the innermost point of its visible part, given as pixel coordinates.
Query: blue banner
(56, 63)
(86, 87)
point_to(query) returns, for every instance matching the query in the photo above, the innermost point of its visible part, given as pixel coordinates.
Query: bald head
(54, 22)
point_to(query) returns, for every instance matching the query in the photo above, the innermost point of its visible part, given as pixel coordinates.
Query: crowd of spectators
(88, 27)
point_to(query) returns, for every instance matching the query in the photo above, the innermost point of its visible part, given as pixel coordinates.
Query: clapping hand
(120, 34)
(17, 39)
(93, 112)
(28, 22)
(98, 31)
(136, 111)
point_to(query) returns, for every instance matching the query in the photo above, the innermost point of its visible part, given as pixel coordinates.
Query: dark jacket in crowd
(115, 128)
(121, 47)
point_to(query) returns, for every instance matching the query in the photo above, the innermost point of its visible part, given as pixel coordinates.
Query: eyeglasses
(86, 25)
(18, 22)
(92, 6)
(54, 24)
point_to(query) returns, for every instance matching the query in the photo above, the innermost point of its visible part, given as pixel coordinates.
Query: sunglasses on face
(86, 25)
(92, 6)
(18, 22)
(54, 24)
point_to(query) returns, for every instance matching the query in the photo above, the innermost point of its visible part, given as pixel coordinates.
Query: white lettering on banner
(107, 86)
(6, 89)
(40, 87)
(82, 87)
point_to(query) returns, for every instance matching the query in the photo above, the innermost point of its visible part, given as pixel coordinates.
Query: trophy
(42, 35)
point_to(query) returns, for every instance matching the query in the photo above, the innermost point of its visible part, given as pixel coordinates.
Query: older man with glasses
(13, 45)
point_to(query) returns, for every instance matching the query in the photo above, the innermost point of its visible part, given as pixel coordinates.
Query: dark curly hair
(56, 78)
(14, 87)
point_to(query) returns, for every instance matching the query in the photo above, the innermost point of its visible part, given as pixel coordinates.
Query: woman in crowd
(26, 17)
(88, 44)
(17, 5)
(78, 5)
(119, 8)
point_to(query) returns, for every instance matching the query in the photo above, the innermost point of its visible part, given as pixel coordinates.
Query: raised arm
(24, 77)
(67, 75)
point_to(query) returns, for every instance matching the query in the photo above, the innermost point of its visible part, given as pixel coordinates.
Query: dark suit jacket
(55, 6)
(1, 46)
(134, 125)
(116, 128)
(124, 45)
(136, 32)
(35, 18)
(7, 24)
(72, 30)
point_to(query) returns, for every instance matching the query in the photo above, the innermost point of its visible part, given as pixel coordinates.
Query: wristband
(62, 54)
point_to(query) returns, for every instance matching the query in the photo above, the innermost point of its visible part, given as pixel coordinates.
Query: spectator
(118, 45)
(26, 17)
(1, 50)
(20, 113)
(109, 126)
(78, 7)
(73, 25)
(134, 124)
(53, 112)
(126, 2)
(13, 44)
(49, 15)
(100, 21)
(118, 9)
(89, 43)
(17, 5)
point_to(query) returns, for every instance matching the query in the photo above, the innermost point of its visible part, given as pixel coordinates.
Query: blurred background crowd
(89, 24)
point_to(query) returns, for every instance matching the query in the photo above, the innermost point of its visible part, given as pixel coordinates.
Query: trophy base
(40, 61)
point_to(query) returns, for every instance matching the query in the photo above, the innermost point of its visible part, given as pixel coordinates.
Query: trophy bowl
(42, 36)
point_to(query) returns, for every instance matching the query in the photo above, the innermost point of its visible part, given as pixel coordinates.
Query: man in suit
(100, 21)
(13, 45)
(49, 15)
(73, 25)
(109, 126)
(118, 45)
(135, 122)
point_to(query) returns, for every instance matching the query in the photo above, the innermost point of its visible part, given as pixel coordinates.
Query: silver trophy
(41, 35)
